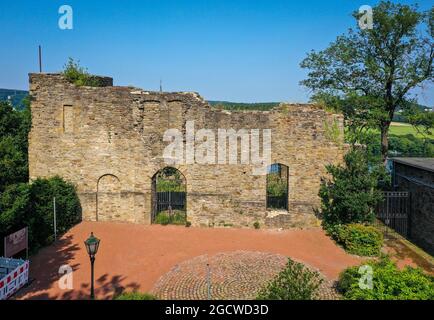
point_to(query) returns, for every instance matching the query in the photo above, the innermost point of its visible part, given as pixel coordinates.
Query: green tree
(351, 193)
(14, 129)
(368, 74)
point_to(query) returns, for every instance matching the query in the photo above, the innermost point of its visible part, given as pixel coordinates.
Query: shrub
(68, 208)
(256, 225)
(359, 239)
(351, 194)
(295, 282)
(165, 218)
(188, 224)
(32, 205)
(135, 296)
(388, 283)
(79, 76)
(15, 207)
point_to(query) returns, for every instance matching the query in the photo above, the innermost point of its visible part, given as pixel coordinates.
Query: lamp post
(92, 244)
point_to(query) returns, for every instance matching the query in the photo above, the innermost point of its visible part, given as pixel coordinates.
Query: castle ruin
(108, 141)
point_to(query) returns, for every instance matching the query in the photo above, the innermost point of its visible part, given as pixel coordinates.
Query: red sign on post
(16, 242)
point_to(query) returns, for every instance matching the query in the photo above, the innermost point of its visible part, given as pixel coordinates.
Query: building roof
(421, 163)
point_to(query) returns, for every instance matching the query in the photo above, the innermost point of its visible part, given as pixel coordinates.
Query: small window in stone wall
(68, 119)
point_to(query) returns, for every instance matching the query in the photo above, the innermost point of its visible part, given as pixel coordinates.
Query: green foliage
(188, 224)
(276, 186)
(177, 217)
(256, 225)
(32, 205)
(135, 296)
(15, 208)
(409, 145)
(352, 192)
(68, 207)
(295, 282)
(389, 283)
(403, 145)
(170, 185)
(368, 74)
(14, 129)
(332, 131)
(79, 76)
(358, 239)
(422, 121)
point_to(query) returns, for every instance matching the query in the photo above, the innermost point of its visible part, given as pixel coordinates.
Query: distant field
(401, 129)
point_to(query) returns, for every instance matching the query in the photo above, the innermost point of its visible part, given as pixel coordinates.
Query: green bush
(359, 239)
(388, 283)
(15, 208)
(32, 205)
(68, 208)
(14, 129)
(177, 218)
(295, 282)
(79, 76)
(352, 192)
(256, 225)
(135, 296)
(276, 185)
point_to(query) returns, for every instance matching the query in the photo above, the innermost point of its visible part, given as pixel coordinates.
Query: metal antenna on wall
(40, 59)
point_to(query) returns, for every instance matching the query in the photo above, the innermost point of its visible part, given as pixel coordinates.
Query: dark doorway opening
(169, 197)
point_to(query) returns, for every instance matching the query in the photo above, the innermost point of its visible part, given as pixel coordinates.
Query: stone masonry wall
(108, 141)
(416, 181)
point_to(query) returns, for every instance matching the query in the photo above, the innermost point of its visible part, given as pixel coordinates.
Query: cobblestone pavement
(134, 257)
(232, 275)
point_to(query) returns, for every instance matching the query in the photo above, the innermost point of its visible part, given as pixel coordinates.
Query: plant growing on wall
(79, 76)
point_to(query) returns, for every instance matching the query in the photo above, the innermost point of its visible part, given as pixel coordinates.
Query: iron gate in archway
(169, 197)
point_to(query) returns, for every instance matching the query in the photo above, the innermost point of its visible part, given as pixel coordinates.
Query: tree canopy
(369, 73)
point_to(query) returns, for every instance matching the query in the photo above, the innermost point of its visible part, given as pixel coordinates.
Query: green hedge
(388, 283)
(363, 240)
(32, 205)
(135, 296)
(295, 282)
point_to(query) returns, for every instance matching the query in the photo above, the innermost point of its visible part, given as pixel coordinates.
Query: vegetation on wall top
(79, 76)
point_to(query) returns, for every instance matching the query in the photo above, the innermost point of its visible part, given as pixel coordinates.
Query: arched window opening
(169, 197)
(277, 187)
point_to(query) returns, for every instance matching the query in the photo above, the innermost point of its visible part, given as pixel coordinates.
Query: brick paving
(232, 275)
(135, 257)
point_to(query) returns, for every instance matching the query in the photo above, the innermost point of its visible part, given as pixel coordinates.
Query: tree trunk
(385, 141)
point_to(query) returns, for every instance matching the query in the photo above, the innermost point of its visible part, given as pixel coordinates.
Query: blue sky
(246, 51)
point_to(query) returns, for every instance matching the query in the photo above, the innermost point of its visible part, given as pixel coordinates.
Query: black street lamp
(92, 244)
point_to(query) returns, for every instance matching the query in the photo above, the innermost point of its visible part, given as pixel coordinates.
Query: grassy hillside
(260, 106)
(402, 129)
(15, 96)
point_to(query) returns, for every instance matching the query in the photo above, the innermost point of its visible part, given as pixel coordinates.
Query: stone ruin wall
(108, 141)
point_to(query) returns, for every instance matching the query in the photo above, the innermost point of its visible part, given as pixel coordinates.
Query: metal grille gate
(394, 212)
(167, 200)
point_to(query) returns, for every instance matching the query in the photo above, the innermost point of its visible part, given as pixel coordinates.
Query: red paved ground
(136, 256)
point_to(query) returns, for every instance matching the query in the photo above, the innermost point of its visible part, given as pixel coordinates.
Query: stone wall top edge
(149, 96)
